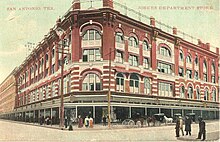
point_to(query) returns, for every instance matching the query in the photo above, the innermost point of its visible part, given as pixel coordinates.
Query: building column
(129, 112)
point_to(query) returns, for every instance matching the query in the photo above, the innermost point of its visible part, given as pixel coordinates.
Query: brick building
(152, 71)
(8, 94)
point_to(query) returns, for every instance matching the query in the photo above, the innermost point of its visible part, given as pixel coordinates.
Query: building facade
(149, 70)
(8, 94)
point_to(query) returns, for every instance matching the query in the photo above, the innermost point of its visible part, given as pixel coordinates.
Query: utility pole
(109, 91)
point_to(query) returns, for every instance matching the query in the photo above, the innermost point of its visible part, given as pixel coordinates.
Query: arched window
(132, 41)
(188, 59)
(120, 82)
(196, 61)
(165, 51)
(145, 45)
(197, 93)
(147, 86)
(134, 83)
(182, 92)
(205, 76)
(119, 37)
(91, 82)
(181, 57)
(213, 95)
(206, 94)
(213, 72)
(91, 34)
(190, 92)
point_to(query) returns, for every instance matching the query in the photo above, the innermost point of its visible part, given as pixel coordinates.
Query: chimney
(217, 50)
(108, 3)
(208, 46)
(152, 21)
(174, 30)
(76, 4)
(58, 22)
(199, 42)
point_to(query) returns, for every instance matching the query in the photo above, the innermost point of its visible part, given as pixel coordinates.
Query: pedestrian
(90, 122)
(202, 131)
(104, 120)
(177, 127)
(86, 122)
(65, 122)
(181, 125)
(188, 125)
(80, 120)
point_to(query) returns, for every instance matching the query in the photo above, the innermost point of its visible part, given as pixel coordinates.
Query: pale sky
(19, 24)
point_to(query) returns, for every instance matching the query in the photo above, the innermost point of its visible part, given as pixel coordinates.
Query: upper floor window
(181, 72)
(133, 60)
(147, 86)
(196, 75)
(197, 93)
(181, 57)
(188, 59)
(146, 63)
(206, 95)
(119, 37)
(134, 83)
(213, 72)
(132, 41)
(205, 76)
(46, 58)
(165, 51)
(53, 53)
(91, 55)
(182, 92)
(145, 45)
(119, 56)
(91, 35)
(120, 82)
(165, 68)
(190, 92)
(196, 61)
(91, 82)
(165, 89)
(213, 95)
(189, 73)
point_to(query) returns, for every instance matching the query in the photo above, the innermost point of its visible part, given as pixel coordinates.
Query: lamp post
(109, 90)
(60, 33)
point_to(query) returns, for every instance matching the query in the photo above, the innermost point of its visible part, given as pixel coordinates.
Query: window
(120, 82)
(134, 83)
(165, 89)
(206, 95)
(181, 57)
(181, 72)
(205, 77)
(196, 61)
(91, 55)
(190, 92)
(132, 41)
(119, 56)
(53, 53)
(165, 51)
(146, 63)
(196, 75)
(197, 93)
(213, 95)
(46, 58)
(147, 86)
(182, 92)
(188, 59)
(91, 35)
(133, 60)
(164, 68)
(213, 73)
(53, 69)
(119, 37)
(145, 45)
(91, 82)
(189, 73)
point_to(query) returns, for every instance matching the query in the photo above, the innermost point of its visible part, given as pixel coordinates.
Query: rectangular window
(165, 89)
(119, 57)
(91, 35)
(196, 75)
(165, 68)
(205, 78)
(85, 36)
(91, 55)
(133, 60)
(189, 73)
(181, 72)
(146, 63)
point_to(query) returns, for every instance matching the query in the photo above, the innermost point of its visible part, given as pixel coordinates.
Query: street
(14, 131)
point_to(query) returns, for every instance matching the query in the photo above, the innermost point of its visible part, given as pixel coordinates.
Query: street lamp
(109, 91)
(60, 33)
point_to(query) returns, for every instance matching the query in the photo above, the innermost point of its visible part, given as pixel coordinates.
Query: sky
(27, 21)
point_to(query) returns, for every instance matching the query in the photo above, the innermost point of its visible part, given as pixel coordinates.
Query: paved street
(13, 131)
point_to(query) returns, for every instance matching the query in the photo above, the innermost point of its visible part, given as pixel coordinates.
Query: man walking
(188, 125)
(181, 125)
(202, 131)
(177, 127)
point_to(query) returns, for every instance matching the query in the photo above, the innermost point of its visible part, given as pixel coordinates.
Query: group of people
(88, 122)
(188, 122)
